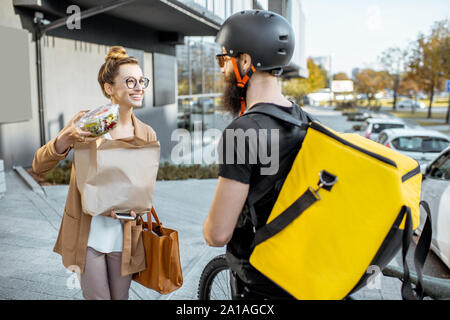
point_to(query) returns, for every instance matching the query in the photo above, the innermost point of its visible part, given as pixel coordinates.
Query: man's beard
(232, 94)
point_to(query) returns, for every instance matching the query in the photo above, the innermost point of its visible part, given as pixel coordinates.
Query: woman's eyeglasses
(222, 59)
(132, 82)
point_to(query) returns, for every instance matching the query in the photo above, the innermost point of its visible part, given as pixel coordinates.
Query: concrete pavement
(30, 221)
(29, 269)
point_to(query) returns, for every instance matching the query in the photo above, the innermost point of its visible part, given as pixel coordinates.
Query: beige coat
(74, 230)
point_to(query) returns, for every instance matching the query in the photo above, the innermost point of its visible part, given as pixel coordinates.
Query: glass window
(200, 82)
(201, 2)
(440, 169)
(420, 144)
(264, 4)
(378, 127)
(196, 58)
(182, 70)
(210, 5)
(210, 66)
(219, 8)
(382, 138)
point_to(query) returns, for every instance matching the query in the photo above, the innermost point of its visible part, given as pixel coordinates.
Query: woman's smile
(136, 96)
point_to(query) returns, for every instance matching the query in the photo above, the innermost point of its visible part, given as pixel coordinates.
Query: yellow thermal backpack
(346, 207)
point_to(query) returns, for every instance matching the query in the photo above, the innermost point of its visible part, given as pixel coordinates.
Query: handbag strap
(155, 216)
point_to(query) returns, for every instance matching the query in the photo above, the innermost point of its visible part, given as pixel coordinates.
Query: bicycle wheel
(215, 280)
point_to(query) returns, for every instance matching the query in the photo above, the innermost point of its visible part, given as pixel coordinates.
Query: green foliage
(429, 62)
(181, 172)
(61, 173)
(297, 88)
(369, 82)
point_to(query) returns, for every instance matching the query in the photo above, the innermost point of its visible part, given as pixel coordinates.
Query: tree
(408, 86)
(429, 62)
(369, 82)
(340, 76)
(317, 77)
(445, 60)
(393, 60)
(297, 88)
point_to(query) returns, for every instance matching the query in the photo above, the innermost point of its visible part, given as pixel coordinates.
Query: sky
(356, 32)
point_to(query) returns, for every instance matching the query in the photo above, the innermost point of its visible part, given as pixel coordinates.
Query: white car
(372, 127)
(436, 192)
(408, 103)
(420, 144)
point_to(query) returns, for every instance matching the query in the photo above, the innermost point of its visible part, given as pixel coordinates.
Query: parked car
(436, 192)
(408, 103)
(420, 144)
(372, 127)
(357, 116)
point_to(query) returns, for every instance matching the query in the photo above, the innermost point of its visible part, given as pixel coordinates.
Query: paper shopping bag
(116, 174)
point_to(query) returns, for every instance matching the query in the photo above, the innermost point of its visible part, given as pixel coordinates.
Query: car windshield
(378, 127)
(440, 169)
(420, 144)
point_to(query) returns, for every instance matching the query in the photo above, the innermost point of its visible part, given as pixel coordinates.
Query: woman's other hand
(71, 133)
(114, 216)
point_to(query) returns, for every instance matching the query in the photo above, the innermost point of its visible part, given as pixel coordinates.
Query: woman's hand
(71, 134)
(114, 216)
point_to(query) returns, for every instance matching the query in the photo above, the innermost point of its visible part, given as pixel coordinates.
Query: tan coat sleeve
(46, 157)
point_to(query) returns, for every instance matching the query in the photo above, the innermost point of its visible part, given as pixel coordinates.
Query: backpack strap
(274, 112)
(264, 186)
(420, 254)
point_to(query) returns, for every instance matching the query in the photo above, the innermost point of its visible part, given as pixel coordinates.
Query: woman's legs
(119, 286)
(94, 279)
(101, 279)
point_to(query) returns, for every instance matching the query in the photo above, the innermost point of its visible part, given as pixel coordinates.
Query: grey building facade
(51, 65)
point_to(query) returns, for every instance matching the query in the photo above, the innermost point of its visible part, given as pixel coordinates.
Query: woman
(94, 244)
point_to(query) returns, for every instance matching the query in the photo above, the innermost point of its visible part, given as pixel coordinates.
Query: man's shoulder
(294, 111)
(258, 120)
(244, 122)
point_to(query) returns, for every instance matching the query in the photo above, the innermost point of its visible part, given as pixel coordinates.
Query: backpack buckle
(326, 181)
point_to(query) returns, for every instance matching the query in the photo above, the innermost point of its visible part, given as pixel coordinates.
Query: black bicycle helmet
(266, 36)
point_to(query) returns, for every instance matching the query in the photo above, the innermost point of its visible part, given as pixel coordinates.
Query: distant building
(199, 77)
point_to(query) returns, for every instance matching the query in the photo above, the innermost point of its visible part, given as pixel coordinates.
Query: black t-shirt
(254, 157)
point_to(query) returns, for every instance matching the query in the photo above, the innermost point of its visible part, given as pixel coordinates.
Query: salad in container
(100, 120)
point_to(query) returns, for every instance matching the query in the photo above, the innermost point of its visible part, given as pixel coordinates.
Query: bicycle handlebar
(436, 288)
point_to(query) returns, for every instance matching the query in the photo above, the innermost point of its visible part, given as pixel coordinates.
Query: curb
(29, 180)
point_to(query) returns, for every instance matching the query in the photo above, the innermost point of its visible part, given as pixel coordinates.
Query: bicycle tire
(209, 273)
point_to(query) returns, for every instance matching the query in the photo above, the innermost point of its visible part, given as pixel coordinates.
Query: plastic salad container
(100, 120)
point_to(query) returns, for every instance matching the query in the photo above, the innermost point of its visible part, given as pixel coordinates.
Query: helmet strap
(242, 81)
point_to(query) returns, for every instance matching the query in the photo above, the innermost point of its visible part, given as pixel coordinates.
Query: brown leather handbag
(163, 268)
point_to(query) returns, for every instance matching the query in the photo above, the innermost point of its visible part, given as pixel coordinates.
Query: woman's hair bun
(116, 53)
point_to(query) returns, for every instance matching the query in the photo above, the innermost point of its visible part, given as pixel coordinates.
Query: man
(256, 45)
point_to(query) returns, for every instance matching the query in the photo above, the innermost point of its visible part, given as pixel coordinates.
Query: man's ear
(246, 62)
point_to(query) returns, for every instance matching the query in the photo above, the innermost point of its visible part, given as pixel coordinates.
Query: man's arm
(227, 205)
